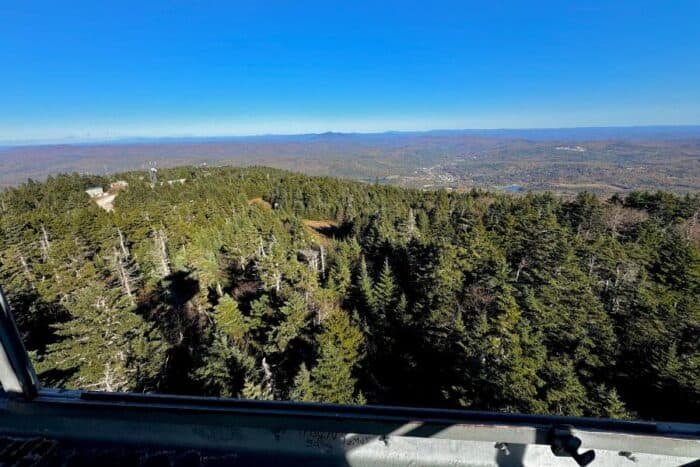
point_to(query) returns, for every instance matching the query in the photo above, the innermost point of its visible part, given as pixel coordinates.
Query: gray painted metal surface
(279, 434)
(16, 372)
(8, 378)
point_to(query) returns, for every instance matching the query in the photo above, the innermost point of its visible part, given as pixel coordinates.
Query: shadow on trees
(36, 319)
(56, 378)
(170, 310)
(339, 232)
(245, 285)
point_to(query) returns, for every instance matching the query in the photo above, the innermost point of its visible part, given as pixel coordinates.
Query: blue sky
(111, 69)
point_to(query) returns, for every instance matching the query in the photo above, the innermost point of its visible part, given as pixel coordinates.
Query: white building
(95, 192)
(118, 185)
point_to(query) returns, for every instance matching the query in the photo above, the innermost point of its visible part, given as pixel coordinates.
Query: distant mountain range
(564, 160)
(535, 134)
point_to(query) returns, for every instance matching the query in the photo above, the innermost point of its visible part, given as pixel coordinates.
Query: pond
(513, 189)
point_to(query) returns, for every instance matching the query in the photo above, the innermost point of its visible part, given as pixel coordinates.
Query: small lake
(513, 189)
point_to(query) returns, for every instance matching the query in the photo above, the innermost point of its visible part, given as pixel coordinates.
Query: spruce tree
(340, 274)
(104, 345)
(340, 351)
(230, 320)
(302, 388)
(295, 315)
(225, 368)
(365, 289)
(384, 290)
(256, 391)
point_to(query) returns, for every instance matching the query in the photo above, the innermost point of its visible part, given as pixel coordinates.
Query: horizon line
(135, 139)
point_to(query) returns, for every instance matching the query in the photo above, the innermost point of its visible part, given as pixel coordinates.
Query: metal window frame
(17, 374)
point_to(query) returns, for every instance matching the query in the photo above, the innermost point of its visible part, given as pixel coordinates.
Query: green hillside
(261, 283)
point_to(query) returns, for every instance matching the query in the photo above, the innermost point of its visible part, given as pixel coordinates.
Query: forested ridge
(223, 286)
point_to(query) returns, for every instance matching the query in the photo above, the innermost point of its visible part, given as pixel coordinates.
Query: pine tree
(204, 256)
(366, 288)
(402, 307)
(340, 351)
(302, 389)
(225, 368)
(230, 320)
(508, 355)
(215, 376)
(488, 301)
(102, 345)
(409, 228)
(340, 275)
(256, 391)
(611, 406)
(384, 290)
(295, 317)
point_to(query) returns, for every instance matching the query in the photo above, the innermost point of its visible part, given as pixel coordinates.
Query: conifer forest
(266, 284)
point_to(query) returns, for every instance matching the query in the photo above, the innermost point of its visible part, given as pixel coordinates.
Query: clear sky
(86, 69)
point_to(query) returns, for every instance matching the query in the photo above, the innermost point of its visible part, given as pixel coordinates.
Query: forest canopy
(266, 284)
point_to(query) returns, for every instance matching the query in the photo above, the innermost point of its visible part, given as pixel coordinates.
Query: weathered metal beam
(16, 372)
(292, 433)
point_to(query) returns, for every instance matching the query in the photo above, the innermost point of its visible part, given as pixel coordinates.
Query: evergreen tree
(509, 355)
(225, 368)
(102, 345)
(384, 290)
(295, 315)
(483, 300)
(365, 288)
(340, 351)
(255, 391)
(230, 320)
(340, 275)
(302, 389)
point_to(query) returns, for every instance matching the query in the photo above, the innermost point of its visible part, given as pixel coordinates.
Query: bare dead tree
(44, 243)
(161, 251)
(122, 244)
(689, 229)
(616, 218)
(478, 298)
(522, 264)
(268, 374)
(126, 273)
(278, 278)
(25, 266)
(323, 261)
(411, 227)
(591, 265)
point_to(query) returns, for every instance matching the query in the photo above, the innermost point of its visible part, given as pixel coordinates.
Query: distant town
(558, 161)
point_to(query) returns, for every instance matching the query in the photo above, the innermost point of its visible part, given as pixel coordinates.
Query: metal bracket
(565, 444)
